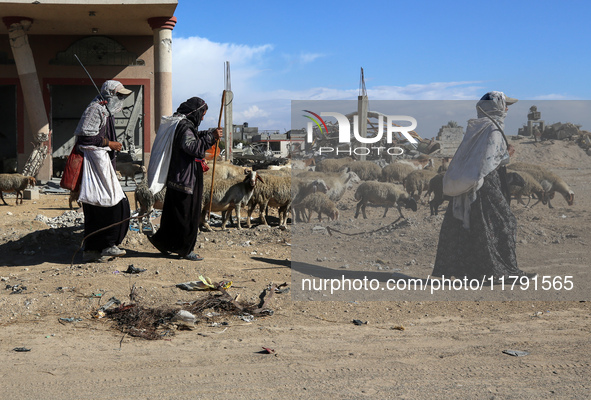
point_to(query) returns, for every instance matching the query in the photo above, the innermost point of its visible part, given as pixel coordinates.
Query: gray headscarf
(102, 106)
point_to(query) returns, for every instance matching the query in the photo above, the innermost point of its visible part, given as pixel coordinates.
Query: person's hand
(511, 150)
(217, 134)
(115, 146)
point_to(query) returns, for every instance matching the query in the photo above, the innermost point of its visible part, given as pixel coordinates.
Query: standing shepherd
(103, 200)
(478, 234)
(179, 224)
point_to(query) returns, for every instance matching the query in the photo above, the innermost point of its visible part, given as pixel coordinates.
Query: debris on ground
(516, 353)
(134, 270)
(268, 350)
(359, 322)
(71, 319)
(158, 323)
(204, 283)
(21, 349)
(16, 289)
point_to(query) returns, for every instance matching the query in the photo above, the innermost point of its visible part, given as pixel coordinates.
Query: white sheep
(15, 183)
(333, 164)
(338, 183)
(274, 192)
(436, 188)
(128, 170)
(418, 181)
(301, 188)
(226, 170)
(382, 194)
(320, 203)
(146, 201)
(229, 195)
(396, 172)
(546, 179)
(530, 186)
(365, 170)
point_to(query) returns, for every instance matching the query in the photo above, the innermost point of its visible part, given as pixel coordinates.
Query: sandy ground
(410, 348)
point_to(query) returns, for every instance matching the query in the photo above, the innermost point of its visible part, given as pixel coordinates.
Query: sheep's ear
(571, 199)
(260, 179)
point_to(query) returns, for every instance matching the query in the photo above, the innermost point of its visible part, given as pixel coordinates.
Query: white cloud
(251, 113)
(198, 70)
(306, 58)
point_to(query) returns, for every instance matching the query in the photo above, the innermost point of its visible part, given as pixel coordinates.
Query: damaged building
(44, 90)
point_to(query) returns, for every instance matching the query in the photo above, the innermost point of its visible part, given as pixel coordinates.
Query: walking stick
(215, 156)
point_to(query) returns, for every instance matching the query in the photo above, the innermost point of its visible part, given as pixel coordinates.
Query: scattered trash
(267, 350)
(246, 317)
(204, 284)
(70, 319)
(397, 328)
(516, 353)
(184, 317)
(62, 289)
(16, 289)
(134, 270)
(21, 349)
(278, 289)
(112, 301)
(160, 323)
(359, 322)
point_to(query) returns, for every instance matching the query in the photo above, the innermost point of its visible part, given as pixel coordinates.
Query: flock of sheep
(302, 191)
(306, 191)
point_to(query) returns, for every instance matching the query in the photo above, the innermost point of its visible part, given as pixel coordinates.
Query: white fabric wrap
(161, 152)
(482, 150)
(99, 186)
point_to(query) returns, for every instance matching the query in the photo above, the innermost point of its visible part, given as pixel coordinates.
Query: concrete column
(33, 96)
(228, 125)
(162, 27)
(362, 106)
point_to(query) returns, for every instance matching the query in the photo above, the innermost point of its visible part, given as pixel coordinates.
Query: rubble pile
(68, 219)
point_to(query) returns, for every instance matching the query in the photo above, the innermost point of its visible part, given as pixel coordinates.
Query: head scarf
(482, 150)
(194, 109)
(102, 106)
(109, 94)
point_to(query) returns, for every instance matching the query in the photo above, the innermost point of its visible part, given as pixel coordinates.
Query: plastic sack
(161, 152)
(99, 186)
(72, 176)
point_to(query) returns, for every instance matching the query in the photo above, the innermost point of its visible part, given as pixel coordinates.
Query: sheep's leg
(363, 210)
(399, 212)
(386, 211)
(204, 221)
(2, 197)
(283, 216)
(358, 208)
(225, 216)
(539, 199)
(264, 211)
(238, 216)
(251, 207)
(309, 215)
(18, 192)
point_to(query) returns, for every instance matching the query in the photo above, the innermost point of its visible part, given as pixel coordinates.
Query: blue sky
(421, 50)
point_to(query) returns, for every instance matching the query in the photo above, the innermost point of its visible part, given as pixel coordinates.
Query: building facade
(44, 89)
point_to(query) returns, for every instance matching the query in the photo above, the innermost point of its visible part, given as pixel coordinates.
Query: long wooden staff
(215, 155)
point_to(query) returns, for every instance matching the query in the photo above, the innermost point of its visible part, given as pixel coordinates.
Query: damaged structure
(44, 90)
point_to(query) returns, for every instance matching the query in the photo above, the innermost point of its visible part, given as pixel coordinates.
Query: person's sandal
(192, 257)
(151, 240)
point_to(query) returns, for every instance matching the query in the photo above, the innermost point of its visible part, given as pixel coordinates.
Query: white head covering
(95, 115)
(482, 150)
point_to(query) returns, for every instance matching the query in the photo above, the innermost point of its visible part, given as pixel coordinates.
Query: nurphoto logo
(344, 125)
